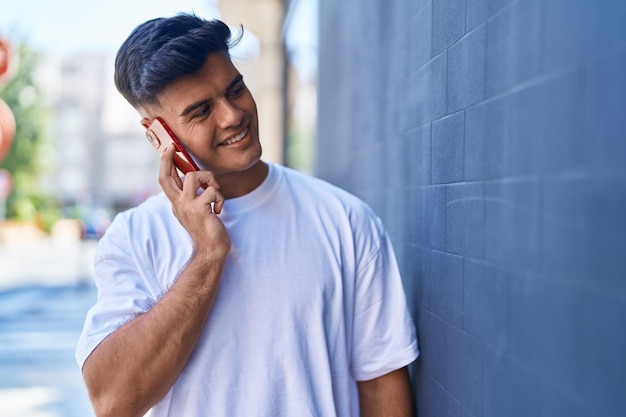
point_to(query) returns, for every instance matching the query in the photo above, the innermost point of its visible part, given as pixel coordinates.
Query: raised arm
(134, 367)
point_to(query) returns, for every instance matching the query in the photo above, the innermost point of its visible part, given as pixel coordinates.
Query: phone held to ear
(160, 136)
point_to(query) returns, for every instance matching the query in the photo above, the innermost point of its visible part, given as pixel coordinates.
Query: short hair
(164, 50)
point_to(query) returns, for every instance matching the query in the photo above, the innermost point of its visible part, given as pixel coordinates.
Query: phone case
(160, 136)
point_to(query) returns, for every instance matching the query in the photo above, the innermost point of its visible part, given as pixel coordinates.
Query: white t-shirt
(310, 300)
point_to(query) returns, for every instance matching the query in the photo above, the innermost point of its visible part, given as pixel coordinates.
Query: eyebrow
(193, 106)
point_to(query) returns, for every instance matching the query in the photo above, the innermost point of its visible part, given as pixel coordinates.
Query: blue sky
(67, 26)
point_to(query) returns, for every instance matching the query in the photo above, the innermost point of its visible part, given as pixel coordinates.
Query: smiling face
(214, 114)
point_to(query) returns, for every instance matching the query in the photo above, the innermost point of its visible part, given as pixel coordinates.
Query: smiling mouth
(236, 139)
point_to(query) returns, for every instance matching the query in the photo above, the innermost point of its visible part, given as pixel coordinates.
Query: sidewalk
(45, 291)
(39, 329)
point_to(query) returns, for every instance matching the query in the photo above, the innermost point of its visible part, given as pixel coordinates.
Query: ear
(145, 122)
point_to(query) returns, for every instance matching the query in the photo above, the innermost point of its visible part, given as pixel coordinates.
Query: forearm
(386, 396)
(134, 367)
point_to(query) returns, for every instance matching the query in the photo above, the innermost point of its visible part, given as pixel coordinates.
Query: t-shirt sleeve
(384, 337)
(122, 291)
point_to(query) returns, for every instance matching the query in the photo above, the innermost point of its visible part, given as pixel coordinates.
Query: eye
(237, 90)
(202, 112)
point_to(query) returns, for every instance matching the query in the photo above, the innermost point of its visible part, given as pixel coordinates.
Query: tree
(24, 160)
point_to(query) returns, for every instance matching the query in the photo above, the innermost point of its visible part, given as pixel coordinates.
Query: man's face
(214, 115)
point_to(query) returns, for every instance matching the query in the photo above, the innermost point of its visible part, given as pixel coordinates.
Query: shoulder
(145, 221)
(325, 193)
(321, 198)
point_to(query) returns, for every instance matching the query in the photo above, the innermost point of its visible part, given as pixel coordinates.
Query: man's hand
(196, 212)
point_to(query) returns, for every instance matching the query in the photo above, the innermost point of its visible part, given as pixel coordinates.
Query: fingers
(168, 176)
(197, 179)
(205, 179)
(173, 186)
(210, 196)
(176, 176)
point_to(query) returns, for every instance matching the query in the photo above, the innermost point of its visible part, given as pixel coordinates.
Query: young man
(268, 293)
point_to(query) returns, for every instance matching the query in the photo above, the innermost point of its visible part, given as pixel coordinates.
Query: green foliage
(300, 148)
(24, 162)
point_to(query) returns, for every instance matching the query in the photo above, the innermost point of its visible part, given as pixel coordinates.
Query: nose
(227, 114)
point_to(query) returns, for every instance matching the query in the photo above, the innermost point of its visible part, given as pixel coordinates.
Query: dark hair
(163, 50)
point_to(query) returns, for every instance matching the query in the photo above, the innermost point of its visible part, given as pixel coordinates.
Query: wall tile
(486, 303)
(465, 219)
(509, 390)
(583, 228)
(426, 93)
(480, 11)
(447, 146)
(464, 378)
(605, 110)
(488, 150)
(513, 224)
(514, 46)
(415, 6)
(447, 286)
(432, 339)
(448, 23)
(561, 143)
(466, 70)
(431, 214)
(437, 401)
(417, 171)
(578, 30)
(528, 122)
(420, 40)
(604, 343)
(545, 327)
(556, 400)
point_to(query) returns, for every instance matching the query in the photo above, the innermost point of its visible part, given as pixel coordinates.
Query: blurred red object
(7, 120)
(6, 184)
(4, 59)
(7, 129)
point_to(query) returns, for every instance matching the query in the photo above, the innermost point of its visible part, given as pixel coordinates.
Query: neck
(236, 184)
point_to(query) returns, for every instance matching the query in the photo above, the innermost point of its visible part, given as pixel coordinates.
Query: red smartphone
(161, 136)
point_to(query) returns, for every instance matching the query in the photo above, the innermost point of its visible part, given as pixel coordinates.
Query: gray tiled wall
(490, 136)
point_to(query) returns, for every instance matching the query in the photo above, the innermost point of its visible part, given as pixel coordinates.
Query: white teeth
(236, 138)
